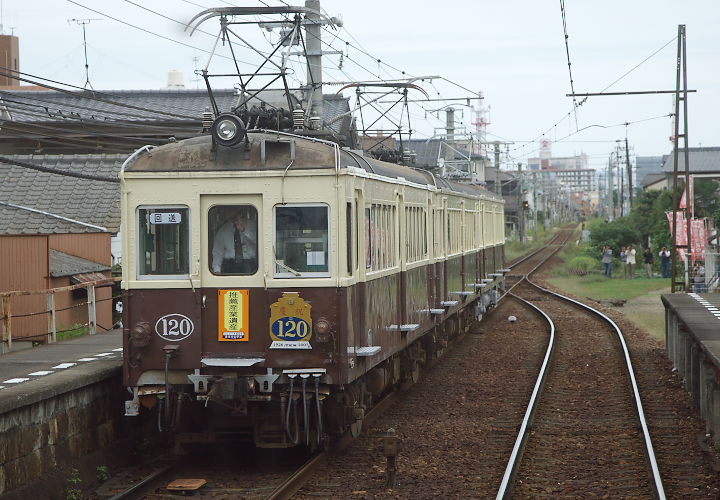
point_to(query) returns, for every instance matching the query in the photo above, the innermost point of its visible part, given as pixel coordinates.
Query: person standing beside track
(630, 256)
(607, 260)
(665, 261)
(648, 262)
(623, 261)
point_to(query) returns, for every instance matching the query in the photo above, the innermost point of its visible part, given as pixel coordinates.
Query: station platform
(692, 341)
(59, 403)
(30, 375)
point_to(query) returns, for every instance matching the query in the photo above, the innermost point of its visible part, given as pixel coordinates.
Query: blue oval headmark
(291, 329)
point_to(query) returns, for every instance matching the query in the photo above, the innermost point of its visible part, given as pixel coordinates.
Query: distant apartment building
(572, 172)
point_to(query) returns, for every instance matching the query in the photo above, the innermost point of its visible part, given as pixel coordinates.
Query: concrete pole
(535, 208)
(610, 201)
(520, 206)
(629, 174)
(450, 123)
(498, 187)
(314, 58)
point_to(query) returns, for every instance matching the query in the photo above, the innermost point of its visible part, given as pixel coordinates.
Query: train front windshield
(233, 239)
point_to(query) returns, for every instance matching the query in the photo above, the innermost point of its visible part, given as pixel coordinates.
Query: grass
(76, 330)
(643, 306)
(600, 288)
(514, 249)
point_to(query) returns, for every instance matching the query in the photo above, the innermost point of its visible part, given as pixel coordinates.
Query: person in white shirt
(630, 256)
(235, 246)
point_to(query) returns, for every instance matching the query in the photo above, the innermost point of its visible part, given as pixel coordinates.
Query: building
(704, 162)
(55, 231)
(572, 172)
(648, 166)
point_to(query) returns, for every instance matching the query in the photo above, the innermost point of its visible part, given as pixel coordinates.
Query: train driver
(235, 246)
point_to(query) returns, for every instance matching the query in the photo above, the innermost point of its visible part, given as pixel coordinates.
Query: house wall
(25, 266)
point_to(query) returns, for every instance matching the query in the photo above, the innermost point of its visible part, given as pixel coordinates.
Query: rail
(514, 460)
(504, 490)
(6, 306)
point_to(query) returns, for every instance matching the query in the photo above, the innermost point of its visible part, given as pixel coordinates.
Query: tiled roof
(87, 202)
(702, 160)
(62, 264)
(651, 179)
(49, 105)
(426, 151)
(141, 105)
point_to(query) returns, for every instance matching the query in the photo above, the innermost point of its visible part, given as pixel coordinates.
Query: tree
(616, 234)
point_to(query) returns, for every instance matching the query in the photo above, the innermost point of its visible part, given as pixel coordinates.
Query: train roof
(270, 150)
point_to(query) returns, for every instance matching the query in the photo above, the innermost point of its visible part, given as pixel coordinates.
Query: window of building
(233, 237)
(164, 241)
(302, 241)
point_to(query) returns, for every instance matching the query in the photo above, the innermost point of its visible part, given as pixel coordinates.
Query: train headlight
(322, 330)
(227, 129)
(140, 334)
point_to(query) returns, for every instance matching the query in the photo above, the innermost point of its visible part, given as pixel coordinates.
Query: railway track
(579, 443)
(584, 430)
(264, 475)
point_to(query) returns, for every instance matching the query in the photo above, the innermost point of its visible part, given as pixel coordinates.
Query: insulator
(207, 119)
(298, 119)
(315, 123)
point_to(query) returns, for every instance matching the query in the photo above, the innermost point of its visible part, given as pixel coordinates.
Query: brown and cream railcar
(274, 289)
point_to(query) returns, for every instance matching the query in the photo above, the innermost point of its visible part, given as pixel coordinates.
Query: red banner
(698, 235)
(683, 201)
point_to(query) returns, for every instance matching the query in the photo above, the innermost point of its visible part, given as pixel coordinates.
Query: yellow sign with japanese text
(233, 315)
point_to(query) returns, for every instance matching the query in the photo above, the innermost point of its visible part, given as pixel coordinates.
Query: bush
(581, 265)
(616, 234)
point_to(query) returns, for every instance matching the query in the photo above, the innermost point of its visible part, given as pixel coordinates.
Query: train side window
(349, 236)
(233, 237)
(163, 241)
(368, 239)
(301, 240)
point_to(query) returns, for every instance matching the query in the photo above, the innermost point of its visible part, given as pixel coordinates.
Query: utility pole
(621, 177)
(628, 166)
(681, 92)
(498, 187)
(496, 144)
(610, 190)
(521, 205)
(534, 192)
(314, 58)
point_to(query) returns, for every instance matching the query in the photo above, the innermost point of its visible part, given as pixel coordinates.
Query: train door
(233, 301)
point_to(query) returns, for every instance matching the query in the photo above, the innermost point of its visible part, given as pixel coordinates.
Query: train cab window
(233, 237)
(301, 241)
(164, 242)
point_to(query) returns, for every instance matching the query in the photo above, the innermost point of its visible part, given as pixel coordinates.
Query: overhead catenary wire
(567, 52)
(569, 113)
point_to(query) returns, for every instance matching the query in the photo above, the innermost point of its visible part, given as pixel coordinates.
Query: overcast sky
(512, 51)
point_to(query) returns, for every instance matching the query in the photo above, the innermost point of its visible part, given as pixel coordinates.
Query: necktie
(238, 245)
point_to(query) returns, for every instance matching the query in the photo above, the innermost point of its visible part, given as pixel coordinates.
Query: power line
(607, 87)
(39, 168)
(85, 95)
(567, 51)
